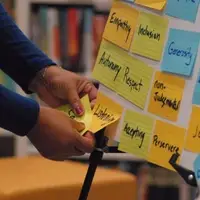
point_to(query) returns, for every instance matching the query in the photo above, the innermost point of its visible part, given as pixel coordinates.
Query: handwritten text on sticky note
(167, 140)
(86, 118)
(180, 52)
(121, 24)
(155, 4)
(193, 134)
(183, 9)
(123, 73)
(105, 112)
(166, 95)
(150, 36)
(136, 133)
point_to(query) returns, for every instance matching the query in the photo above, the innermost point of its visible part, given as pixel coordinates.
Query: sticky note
(86, 118)
(196, 166)
(108, 66)
(105, 112)
(196, 94)
(122, 73)
(180, 52)
(182, 9)
(166, 95)
(154, 4)
(193, 134)
(150, 36)
(167, 140)
(121, 24)
(136, 134)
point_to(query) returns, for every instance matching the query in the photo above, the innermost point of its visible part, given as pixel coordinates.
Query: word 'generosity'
(104, 115)
(164, 145)
(134, 133)
(149, 33)
(133, 84)
(120, 23)
(107, 62)
(173, 50)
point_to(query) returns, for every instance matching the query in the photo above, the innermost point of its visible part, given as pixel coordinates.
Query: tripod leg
(95, 159)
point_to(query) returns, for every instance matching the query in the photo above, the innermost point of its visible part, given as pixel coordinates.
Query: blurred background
(70, 35)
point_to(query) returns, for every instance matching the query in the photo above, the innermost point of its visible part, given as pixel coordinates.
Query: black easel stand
(101, 148)
(94, 160)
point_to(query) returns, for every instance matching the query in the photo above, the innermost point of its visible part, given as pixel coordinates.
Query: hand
(62, 86)
(57, 137)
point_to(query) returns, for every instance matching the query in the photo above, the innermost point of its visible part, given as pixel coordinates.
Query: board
(173, 124)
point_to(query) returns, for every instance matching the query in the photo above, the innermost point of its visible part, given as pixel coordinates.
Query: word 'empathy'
(123, 24)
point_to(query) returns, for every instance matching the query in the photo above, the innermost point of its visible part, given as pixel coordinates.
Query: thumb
(75, 102)
(85, 144)
(79, 126)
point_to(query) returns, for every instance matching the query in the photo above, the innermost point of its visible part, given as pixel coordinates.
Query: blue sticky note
(196, 166)
(180, 52)
(183, 9)
(196, 94)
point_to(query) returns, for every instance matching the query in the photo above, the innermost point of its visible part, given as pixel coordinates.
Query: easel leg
(95, 160)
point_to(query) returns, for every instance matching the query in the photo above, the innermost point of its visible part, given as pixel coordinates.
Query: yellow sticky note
(136, 134)
(193, 133)
(86, 118)
(166, 95)
(105, 112)
(150, 36)
(154, 4)
(123, 73)
(167, 140)
(121, 24)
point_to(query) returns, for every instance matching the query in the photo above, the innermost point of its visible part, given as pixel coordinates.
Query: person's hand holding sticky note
(86, 118)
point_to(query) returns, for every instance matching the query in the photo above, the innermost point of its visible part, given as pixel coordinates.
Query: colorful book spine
(43, 28)
(53, 35)
(63, 27)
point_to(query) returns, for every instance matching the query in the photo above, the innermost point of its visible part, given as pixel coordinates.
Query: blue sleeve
(19, 57)
(18, 114)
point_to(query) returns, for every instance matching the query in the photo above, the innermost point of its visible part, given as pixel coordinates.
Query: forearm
(20, 58)
(18, 114)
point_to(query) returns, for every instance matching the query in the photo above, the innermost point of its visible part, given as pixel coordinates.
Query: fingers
(91, 90)
(85, 144)
(77, 125)
(74, 101)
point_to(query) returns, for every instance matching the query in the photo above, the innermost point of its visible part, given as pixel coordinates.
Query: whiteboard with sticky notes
(149, 63)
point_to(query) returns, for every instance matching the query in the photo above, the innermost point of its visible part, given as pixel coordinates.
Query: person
(52, 132)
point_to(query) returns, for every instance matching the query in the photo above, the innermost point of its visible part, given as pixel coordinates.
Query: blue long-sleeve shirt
(21, 60)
